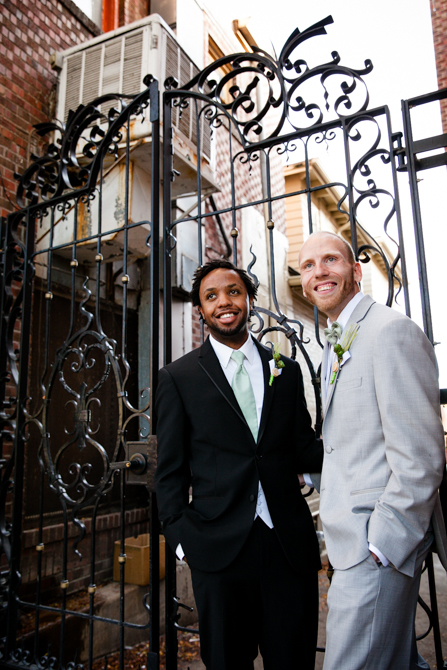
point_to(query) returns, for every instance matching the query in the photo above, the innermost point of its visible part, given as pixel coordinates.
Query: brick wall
(30, 33)
(196, 329)
(132, 10)
(439, 23)
(78, 568)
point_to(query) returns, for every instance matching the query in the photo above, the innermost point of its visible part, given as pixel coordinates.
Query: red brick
(439, 24)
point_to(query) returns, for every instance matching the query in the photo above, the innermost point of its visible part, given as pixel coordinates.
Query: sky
(396, 35)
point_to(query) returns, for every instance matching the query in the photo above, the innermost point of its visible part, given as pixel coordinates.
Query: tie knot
(238, 356)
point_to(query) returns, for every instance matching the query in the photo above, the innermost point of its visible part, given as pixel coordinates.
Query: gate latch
(140, 462)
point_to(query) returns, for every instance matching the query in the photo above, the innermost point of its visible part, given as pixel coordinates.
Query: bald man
(383, 463)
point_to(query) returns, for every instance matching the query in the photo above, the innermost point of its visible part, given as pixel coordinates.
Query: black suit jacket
(205, 444)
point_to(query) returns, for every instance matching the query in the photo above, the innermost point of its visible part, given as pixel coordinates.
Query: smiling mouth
(324, 288)
(226, 316)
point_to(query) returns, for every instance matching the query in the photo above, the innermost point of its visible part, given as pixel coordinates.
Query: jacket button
(252, 498)
(328, 448)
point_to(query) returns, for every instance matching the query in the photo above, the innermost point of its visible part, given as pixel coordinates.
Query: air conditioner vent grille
(91, 79)
(171, 57)
(172, 69)
(133, 60)
(118, 65)
(178, 65)
(111, 76)
(74, 74)
(112, 67)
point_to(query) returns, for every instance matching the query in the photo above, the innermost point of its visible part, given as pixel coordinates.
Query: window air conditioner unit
(117, 62)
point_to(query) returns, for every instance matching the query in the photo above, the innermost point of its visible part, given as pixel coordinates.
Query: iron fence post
(417, 219)
(19, 437)
(168, 176)
(154, 630)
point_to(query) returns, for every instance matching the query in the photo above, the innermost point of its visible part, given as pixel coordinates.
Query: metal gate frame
(58, 181)
(44, 185)
(413, 163)
(206, 90)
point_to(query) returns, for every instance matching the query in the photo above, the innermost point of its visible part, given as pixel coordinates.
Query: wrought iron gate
(80, 311)
(76, 408)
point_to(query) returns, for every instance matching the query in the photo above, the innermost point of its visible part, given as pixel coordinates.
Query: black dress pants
(258, 601)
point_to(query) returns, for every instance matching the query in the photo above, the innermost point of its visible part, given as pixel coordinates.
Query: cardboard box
(136, 567)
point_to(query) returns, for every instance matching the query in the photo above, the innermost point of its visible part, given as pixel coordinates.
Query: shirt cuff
(379, 555)
(179, 552)
(308, 480)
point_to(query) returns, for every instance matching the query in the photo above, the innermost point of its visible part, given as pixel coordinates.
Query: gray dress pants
(370, 624)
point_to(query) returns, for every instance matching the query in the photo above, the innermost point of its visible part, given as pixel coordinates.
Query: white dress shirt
(253, 365)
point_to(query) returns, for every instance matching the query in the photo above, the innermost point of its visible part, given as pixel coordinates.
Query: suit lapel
(209, 362)
(330, 391)
(269, 391)
(324, 362)
(357, 316)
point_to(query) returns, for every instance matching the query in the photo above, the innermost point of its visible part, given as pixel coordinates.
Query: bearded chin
(327, 305)
(227, 332)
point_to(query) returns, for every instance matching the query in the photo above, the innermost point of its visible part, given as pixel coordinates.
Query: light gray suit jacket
(384, 444)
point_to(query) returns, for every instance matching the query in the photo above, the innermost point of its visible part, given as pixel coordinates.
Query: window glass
(91, 8)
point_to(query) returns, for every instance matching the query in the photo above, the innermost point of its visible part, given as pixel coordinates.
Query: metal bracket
(140, 463)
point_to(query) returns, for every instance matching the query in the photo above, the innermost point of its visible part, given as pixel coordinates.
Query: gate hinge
(399, 151)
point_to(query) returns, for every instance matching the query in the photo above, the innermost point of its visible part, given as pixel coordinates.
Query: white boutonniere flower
(342, 350)
(276, 364)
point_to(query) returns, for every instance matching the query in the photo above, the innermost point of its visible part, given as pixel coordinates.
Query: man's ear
(358, 274)
(199, 309)
(304, 292)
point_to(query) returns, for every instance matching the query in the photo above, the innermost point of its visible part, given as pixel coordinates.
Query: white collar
(345, 315)
(223, 352)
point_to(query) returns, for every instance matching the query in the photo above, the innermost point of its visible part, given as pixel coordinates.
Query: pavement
(425, 646)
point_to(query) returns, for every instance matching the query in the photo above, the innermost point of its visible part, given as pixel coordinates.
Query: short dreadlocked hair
(204, 270)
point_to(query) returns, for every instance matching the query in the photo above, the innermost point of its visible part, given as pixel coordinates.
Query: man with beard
(383, 463)
(239, 441)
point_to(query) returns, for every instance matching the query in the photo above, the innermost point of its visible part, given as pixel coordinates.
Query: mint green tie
(243, 391)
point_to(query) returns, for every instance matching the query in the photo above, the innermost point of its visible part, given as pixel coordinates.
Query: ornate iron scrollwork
(255, 85)
(74, 158)
(271, 105)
